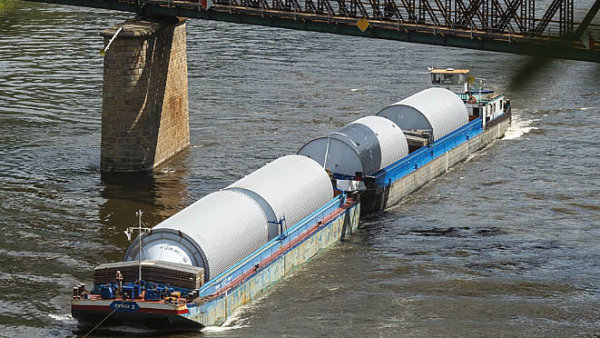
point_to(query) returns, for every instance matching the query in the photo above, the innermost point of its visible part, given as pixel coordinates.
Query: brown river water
(506, 244)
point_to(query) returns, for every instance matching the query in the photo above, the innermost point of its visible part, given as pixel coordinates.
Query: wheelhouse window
(448, 78)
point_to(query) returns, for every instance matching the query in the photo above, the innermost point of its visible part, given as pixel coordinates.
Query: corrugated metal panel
(353, 148)
(225, 225)
(364, 142)
(294, 186)
(392, 142)
(436, 109)
(273, 226)
(365, 145)
(341, 157)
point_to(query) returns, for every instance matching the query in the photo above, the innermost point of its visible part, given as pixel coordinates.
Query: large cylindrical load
(290, 187)
(214, 233)
(365, 145)
(437, 110)
(223, 227)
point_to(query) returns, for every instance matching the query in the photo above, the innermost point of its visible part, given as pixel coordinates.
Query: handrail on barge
(268, 249)
(424, 155)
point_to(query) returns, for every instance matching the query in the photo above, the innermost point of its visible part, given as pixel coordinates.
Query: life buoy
(472, 100)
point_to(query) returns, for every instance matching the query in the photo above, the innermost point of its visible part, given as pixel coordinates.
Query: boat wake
(518, 128)
(217, 329)
(236, 321)
(65, 318)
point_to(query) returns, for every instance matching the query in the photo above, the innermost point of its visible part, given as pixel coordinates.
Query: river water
(505, 244)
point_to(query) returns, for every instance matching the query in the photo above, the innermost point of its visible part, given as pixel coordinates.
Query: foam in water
(236, 321)
(518, 128)
(67, 318)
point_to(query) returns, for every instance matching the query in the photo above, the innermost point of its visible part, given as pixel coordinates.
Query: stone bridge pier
(145, 117)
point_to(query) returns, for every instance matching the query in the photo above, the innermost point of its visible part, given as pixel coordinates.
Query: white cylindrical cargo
(392, 141)
(366, 145)
(437, 110)
(225, 226)
(214, 233)
(291, 187)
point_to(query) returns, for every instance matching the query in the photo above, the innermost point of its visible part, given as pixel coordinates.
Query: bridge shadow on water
(529, 71)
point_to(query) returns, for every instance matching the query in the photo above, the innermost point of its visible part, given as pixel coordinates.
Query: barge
(196, 268)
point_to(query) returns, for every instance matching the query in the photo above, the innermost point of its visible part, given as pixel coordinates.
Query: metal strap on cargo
(281, 222)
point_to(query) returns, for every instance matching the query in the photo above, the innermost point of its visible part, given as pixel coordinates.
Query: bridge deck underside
(507, 26)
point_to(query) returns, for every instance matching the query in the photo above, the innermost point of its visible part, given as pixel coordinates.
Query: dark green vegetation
(4, 4)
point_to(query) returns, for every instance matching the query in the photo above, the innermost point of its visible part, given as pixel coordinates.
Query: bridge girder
(482, 24)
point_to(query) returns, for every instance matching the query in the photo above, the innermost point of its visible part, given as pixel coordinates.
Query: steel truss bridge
(512, 26)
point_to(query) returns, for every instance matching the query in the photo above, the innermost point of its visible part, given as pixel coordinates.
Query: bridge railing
(509, 26)
(517, 17)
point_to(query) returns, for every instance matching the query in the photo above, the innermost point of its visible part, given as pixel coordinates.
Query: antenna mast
(129, 231)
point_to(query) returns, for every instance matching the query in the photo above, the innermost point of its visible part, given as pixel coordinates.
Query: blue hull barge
(225, 250)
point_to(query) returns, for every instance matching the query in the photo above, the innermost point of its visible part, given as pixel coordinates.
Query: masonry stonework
(145, 118)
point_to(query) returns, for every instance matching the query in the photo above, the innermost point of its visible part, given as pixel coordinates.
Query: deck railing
(266, 251)
(424, 155)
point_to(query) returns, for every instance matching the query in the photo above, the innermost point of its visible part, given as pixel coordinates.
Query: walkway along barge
(200, 265)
